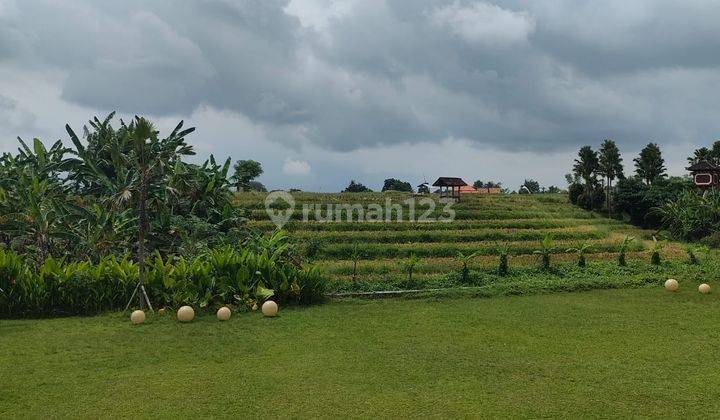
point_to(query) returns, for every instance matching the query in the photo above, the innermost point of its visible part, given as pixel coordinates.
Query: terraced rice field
(482, 224)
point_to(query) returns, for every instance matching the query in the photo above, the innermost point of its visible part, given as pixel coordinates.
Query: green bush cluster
(227, 276)
(692, 216)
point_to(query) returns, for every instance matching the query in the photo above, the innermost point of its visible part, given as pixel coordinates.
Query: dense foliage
(650, 165)
(264, 268)
(692, 216)
(356, 187)
(636, 199)
(245, 171)
(81, 202)
(392, 184)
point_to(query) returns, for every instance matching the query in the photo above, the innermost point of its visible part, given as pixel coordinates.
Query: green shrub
(712, 240)
(623, 249)
(241, 277)
(546, 249)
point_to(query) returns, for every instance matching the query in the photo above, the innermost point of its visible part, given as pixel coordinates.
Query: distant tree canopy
(489, 184)
(650, 165)
(245, 171)
(256, 186)
(356, 187)
(532, 186)
(553, 189)
(392, 184)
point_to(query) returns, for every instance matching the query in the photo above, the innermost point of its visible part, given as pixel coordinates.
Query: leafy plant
(580, 251)
(261, 269)
(464, 260)
(355, 257)
(503, 251)
(623, 249)
(408, 266)
(545, 251)
(657, 247)
(693, 251)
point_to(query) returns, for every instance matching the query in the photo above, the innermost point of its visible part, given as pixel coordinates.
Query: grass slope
(621, 353)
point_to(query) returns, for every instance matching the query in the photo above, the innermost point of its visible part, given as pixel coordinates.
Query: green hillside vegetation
(367, 256)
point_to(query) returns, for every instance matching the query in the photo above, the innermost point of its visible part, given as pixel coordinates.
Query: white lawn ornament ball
(137, 317)
(671, 285)
(270, 308)
(704, 288)
(185, 314)
(223, 314)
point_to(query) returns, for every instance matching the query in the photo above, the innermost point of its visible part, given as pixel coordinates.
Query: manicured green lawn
(618, 353)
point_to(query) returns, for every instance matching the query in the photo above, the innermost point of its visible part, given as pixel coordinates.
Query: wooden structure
(705, 174)
(449, 186)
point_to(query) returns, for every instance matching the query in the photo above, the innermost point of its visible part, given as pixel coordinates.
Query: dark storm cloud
(510, 74)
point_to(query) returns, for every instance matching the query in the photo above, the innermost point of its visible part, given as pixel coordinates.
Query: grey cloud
(528, 75)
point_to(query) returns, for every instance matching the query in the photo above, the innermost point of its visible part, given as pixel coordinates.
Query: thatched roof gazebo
(449, 186)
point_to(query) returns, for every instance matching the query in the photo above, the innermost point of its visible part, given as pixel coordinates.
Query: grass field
(621, 353)
(483, 225)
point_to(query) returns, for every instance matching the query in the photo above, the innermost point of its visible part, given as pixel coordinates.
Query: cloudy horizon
(325, 91)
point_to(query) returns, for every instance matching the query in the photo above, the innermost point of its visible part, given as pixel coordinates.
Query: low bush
(239, 277)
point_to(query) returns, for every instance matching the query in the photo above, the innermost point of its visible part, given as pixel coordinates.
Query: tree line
(649, 197)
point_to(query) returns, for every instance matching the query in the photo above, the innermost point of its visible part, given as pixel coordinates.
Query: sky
(325, 91)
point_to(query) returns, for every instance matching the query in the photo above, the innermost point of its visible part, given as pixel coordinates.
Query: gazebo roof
(448, 181)
(703, 166)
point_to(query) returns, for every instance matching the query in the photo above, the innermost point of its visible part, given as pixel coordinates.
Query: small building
(423, 188)
(705, 174)
(449, 186)
(469, 189)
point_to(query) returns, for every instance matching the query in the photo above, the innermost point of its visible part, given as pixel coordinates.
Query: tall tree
(356, 187)
(711, 155)
(609, 166)
(585, 167)
(699, 155)
(392, 184)
(246, 171)
(533, 187)
(650, 165)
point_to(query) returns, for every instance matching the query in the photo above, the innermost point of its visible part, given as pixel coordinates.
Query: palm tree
(610, 167)
(586, 166)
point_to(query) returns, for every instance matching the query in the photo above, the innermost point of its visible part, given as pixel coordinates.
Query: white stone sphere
(704, 288)
(137, 317)
(270, 308)
(223, 314)
(671, 285)
(185, 314)
(162, 311)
